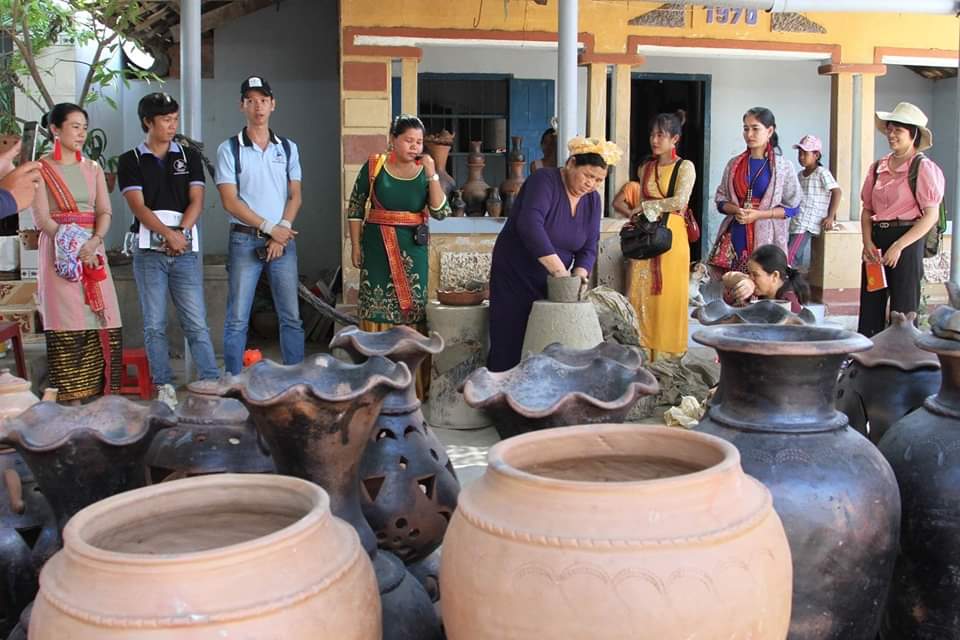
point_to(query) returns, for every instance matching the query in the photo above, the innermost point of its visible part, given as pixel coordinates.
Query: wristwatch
(435, 177)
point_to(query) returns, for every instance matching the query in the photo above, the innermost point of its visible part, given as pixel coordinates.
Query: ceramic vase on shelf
(458, 206)
(317, 419)
(475, 188)
(510, 187)
(550, 541)
(225, 556)
(438, 146)
(922, 448)
(837, 496)
(890, 380)
(493, 205)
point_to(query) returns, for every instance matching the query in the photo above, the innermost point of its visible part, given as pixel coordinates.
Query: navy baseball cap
(255, 83)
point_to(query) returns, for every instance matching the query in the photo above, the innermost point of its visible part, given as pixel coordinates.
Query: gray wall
(297, 50)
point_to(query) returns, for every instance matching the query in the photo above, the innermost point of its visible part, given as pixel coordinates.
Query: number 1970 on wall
(724, 15)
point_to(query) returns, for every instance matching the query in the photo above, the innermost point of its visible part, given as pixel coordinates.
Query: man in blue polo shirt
(163, 184)
(258, 176)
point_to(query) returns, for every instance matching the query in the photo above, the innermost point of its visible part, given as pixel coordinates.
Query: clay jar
(213, 435)
(882, 385)
(922, 448)
(239, 556)
(510, 188)
(475, 188)
(835, 493)
(615, 531)
(566, 289)
(493, 204)
(438, 146)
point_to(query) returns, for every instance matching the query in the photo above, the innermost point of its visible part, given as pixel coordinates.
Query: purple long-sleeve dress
(540, 224)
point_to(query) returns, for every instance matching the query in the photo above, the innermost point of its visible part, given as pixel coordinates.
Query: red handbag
(693, 229)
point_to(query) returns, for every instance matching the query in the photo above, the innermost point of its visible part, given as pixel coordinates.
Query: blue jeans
(243, 270)
(801, 259)
(156, 273)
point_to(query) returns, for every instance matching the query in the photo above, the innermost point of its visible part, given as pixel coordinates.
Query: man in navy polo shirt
(161, 182)
(258, 176)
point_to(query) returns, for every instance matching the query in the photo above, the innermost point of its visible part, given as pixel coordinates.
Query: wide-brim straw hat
(906, 113)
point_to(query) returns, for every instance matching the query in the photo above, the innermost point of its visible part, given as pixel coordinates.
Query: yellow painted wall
(856, 33)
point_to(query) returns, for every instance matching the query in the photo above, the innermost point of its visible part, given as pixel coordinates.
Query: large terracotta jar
(317, 418)
(475, 188)
(616, 531)
(213, 435)
(225, 556)
(923, 450)
(510, 187)
(438, 146)
(890, 380)
(835, 493)
(409, 488)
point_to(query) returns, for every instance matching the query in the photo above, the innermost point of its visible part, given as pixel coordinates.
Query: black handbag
(641, 239)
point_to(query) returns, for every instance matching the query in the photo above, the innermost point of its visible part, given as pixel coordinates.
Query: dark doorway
(653, 93)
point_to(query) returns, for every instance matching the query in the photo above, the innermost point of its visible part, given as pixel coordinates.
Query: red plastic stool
(140, 384)
(11, 331)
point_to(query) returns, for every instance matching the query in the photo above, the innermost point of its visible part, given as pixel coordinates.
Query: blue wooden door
(531, 108)
(396, 96)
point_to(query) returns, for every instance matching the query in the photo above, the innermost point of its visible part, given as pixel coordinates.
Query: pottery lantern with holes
(409, 485)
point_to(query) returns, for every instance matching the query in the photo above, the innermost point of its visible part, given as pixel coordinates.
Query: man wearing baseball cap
(821, 199)
(259, 179)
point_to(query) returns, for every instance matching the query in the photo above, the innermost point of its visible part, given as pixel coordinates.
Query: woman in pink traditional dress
(78, 301)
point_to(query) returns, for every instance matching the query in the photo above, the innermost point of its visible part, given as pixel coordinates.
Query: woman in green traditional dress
(389, 241)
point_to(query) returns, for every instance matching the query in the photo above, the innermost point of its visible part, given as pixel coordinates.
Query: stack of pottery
(835, 493)
(619, 532)
(923, 450)
(887, 382)
(213, 435)
(475, 189)
(563, 317)
(317, 419)
(510, 187)
(561, 387)
(28, 532)
(438, 146)
(227, 556)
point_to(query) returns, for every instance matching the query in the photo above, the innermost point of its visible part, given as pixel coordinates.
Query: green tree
(31, 27)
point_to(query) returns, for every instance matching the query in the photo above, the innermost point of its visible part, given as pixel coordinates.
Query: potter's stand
(465, 333)
(572, 324)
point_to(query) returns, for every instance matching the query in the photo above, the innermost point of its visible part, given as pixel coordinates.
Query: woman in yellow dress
(658, 288)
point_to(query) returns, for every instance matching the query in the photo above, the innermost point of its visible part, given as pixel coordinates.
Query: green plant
(113, 164)
(33, 26)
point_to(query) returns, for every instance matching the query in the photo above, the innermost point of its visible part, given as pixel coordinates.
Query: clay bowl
(760, 312)
(462, 297)
(542, 392)
(626, 355)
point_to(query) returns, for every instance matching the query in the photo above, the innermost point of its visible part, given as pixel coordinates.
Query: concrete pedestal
(572, 324)
(465, 333)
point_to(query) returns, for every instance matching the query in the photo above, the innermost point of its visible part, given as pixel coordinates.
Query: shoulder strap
(286, 150)
(58, 188)
(914, 172)
(672, 187)
(235, 149)
(374, 164)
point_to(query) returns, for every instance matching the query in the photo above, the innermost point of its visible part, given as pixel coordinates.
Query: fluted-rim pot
(614, 551)
(234, 555)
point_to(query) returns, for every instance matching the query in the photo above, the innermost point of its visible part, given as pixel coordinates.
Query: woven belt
(250, 231)
(394, 218)
(886, 224)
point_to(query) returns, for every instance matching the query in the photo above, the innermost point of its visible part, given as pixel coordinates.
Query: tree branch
(26, 50)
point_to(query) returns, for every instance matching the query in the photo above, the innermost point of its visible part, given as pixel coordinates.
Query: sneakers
(167, 395)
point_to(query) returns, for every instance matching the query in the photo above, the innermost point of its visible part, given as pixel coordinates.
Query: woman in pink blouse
(896, 216)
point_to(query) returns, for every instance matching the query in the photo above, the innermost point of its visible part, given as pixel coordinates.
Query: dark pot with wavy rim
(885, 383)
(922, 448)
(213, 435)
(759, 312)
(624, 354)
(542, 392)
(317, 418)
(409, 486)
(83, 454)
(835, 493)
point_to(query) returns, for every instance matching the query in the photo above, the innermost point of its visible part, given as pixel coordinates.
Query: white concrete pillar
(191, 107)
(567, 76)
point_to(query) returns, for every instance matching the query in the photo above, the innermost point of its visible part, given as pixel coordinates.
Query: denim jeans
(801, 259)
(156, 273)
(243, 270)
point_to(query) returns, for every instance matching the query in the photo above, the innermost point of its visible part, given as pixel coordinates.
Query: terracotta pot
(213, 435)
(759, 312)
(836, 494)
(457, 204)
(922, 449)
(493, 205)
(550, 541)
(438, 146)
(30, 239)
(409, 486)
(462, 297)
(475, 188)
(111, 179)
(510, 187)
(238, 556)
(541, 392)
(893, 378)
(317, 418)
(83, 454)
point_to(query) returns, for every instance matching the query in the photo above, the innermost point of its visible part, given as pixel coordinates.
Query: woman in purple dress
(553, 230)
